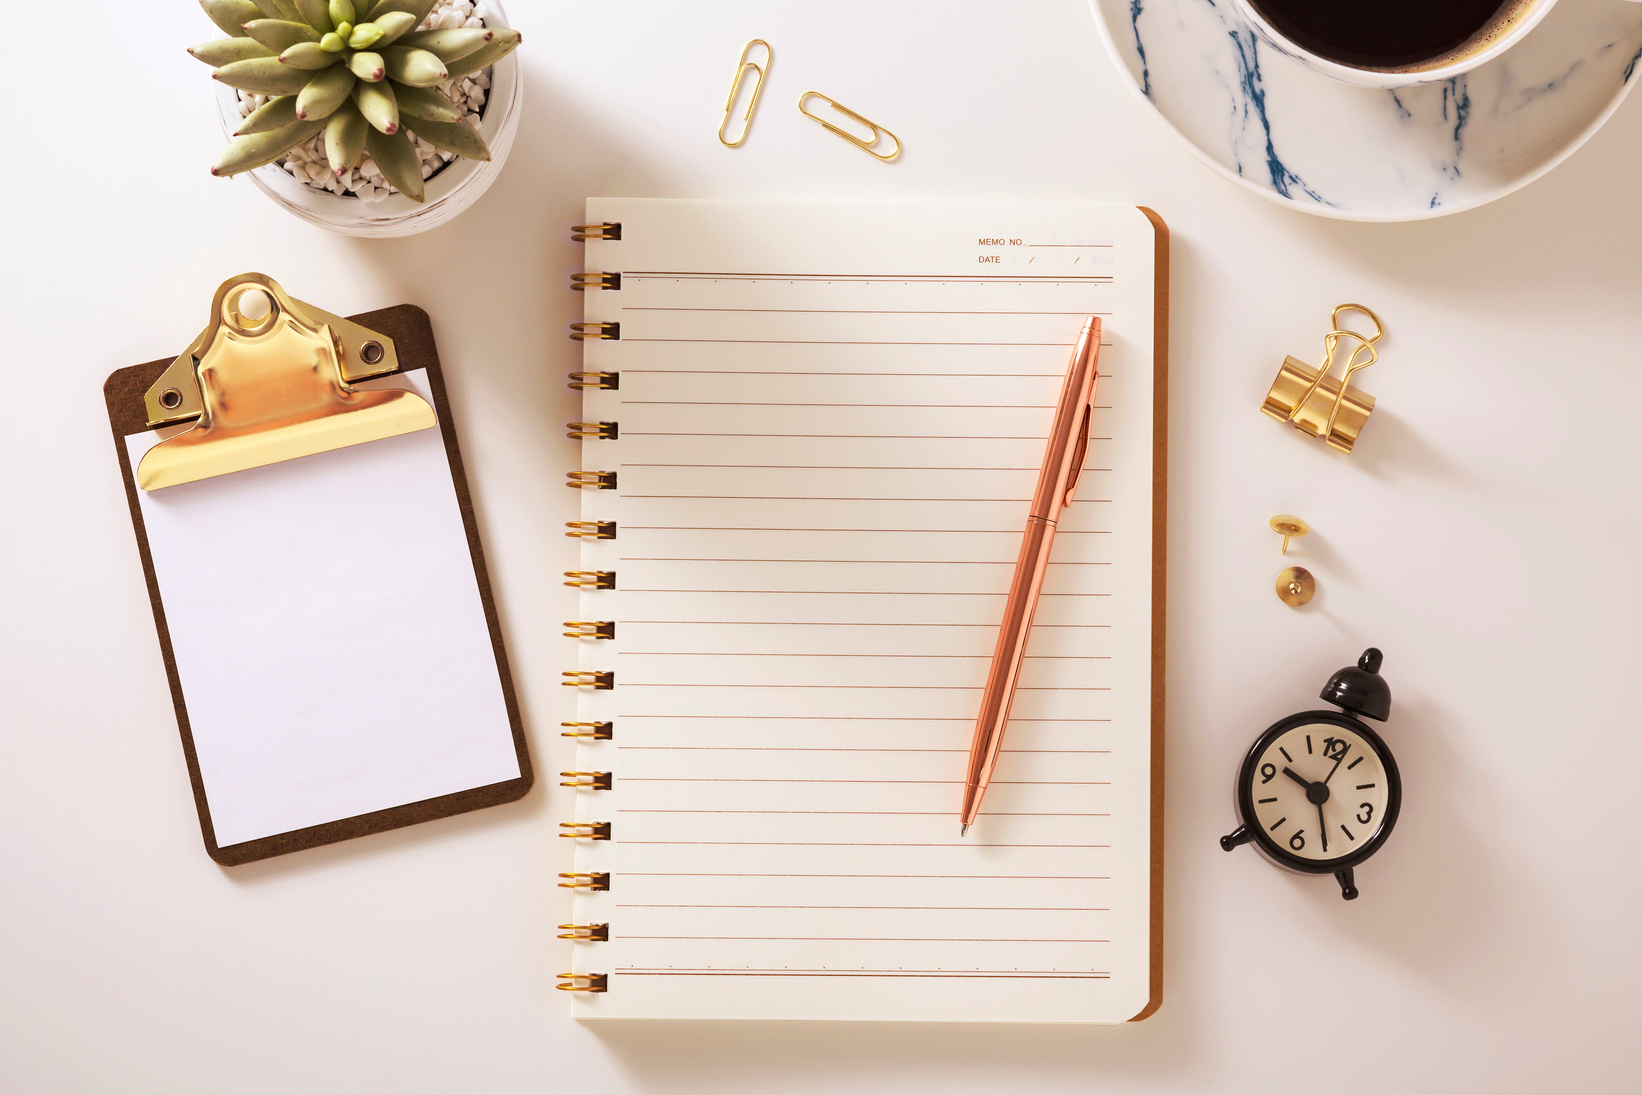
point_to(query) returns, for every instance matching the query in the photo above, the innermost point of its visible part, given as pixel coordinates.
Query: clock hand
(1336, 767)
(1322, 827)
(1297, 778)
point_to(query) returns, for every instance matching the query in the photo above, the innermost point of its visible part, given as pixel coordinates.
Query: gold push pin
(1316, 403)
(1295, 586)
(1289, 528)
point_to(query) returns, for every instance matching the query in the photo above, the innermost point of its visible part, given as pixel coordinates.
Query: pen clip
(1078, 454)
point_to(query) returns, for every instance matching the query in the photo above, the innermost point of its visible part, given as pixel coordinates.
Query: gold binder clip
(585, 880)
(591, 579)
(870, 145)
(590, 629)
(735, 89)
(1313, 400)
(599, 679)
(590, 480)
(584, 982)
(271, 379)
(588, 781)
(593, 431)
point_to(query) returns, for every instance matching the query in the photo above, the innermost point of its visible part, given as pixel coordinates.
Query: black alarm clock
(1319, 791)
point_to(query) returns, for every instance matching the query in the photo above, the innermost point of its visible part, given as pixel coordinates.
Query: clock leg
(1348, 884)
(1240, 835)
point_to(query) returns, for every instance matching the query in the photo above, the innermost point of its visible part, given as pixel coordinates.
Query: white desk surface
(1484, 534)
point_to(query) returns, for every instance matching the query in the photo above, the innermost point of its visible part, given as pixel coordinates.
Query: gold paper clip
(271, 379)
(735, 89)
(868, 146)
(1313, 400)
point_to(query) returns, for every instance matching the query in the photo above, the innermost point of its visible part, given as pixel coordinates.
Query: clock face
(1320, 791)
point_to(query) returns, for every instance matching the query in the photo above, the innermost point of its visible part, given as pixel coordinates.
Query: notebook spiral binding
(595, 629)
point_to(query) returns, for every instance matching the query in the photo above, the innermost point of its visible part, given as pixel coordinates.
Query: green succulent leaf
(505, 42)
(324, 92)
(367, 66)
(396, 156)
(448, 45)
(317, 14)
(256, 149)
(393, 25)
(345, 137)
(280, 34)
(364, 36)
(332, 43)
(342, 11)
(309, 55)
(427, 103)
(226, 51)
(231, 15)
(277, 9)
(379, 105)
(276, 113)
(458, 137)
(417, 8)
(263, 75)
(416, 67)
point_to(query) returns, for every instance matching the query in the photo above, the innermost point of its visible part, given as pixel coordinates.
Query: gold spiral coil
(592, 431)
(590, 480)
(592, 933)
(591, 530)
(584, 982)
(590, 629)
(604, 382)
(595, 280)
(601, 679)
(604, 230)
(609, 331)
(591, 579)
(585, 830)
(589, 781)
(583, 880)
(598, 731)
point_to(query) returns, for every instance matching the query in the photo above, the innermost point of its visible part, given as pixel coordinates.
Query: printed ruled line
(854, 718)
(849, 813)
(876, 908)
(937, 279)
(854, 311)
(841, 749)
(830, 372)
(976, 877)
(863, 593)
(856, 939)
(961, 844)
(842, 623)
(827, 342)
(819, 654)
(866, 562)
(966, 974)
(861, 436)
(872, 406)
(874, 783)
(759, 528)
(864, 687)
(1073, 245)
(834, 467)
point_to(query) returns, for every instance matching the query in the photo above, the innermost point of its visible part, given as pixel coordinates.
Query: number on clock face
(1319, 791)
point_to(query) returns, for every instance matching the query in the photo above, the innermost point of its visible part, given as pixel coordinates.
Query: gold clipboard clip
(1317, 404)
(271, 379)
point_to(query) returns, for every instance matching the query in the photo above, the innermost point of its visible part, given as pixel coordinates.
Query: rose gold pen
(1068, 442)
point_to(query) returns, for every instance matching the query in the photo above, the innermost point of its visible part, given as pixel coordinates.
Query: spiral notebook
(810, 434)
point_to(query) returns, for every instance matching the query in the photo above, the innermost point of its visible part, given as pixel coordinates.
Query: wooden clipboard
(411, 338)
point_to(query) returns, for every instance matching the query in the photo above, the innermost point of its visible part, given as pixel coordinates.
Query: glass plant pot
(449, 192)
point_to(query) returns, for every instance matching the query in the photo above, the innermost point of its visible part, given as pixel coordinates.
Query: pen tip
(963, 829)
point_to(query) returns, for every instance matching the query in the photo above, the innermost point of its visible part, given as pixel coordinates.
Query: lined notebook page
(831, 419)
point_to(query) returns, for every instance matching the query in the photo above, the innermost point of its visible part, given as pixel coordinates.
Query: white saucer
(1315, 144)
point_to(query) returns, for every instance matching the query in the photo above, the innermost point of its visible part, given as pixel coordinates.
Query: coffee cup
(1393, 43)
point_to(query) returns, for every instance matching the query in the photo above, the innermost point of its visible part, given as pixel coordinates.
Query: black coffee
(1384, 33)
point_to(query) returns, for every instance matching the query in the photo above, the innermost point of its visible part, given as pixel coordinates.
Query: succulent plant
(362, 75)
